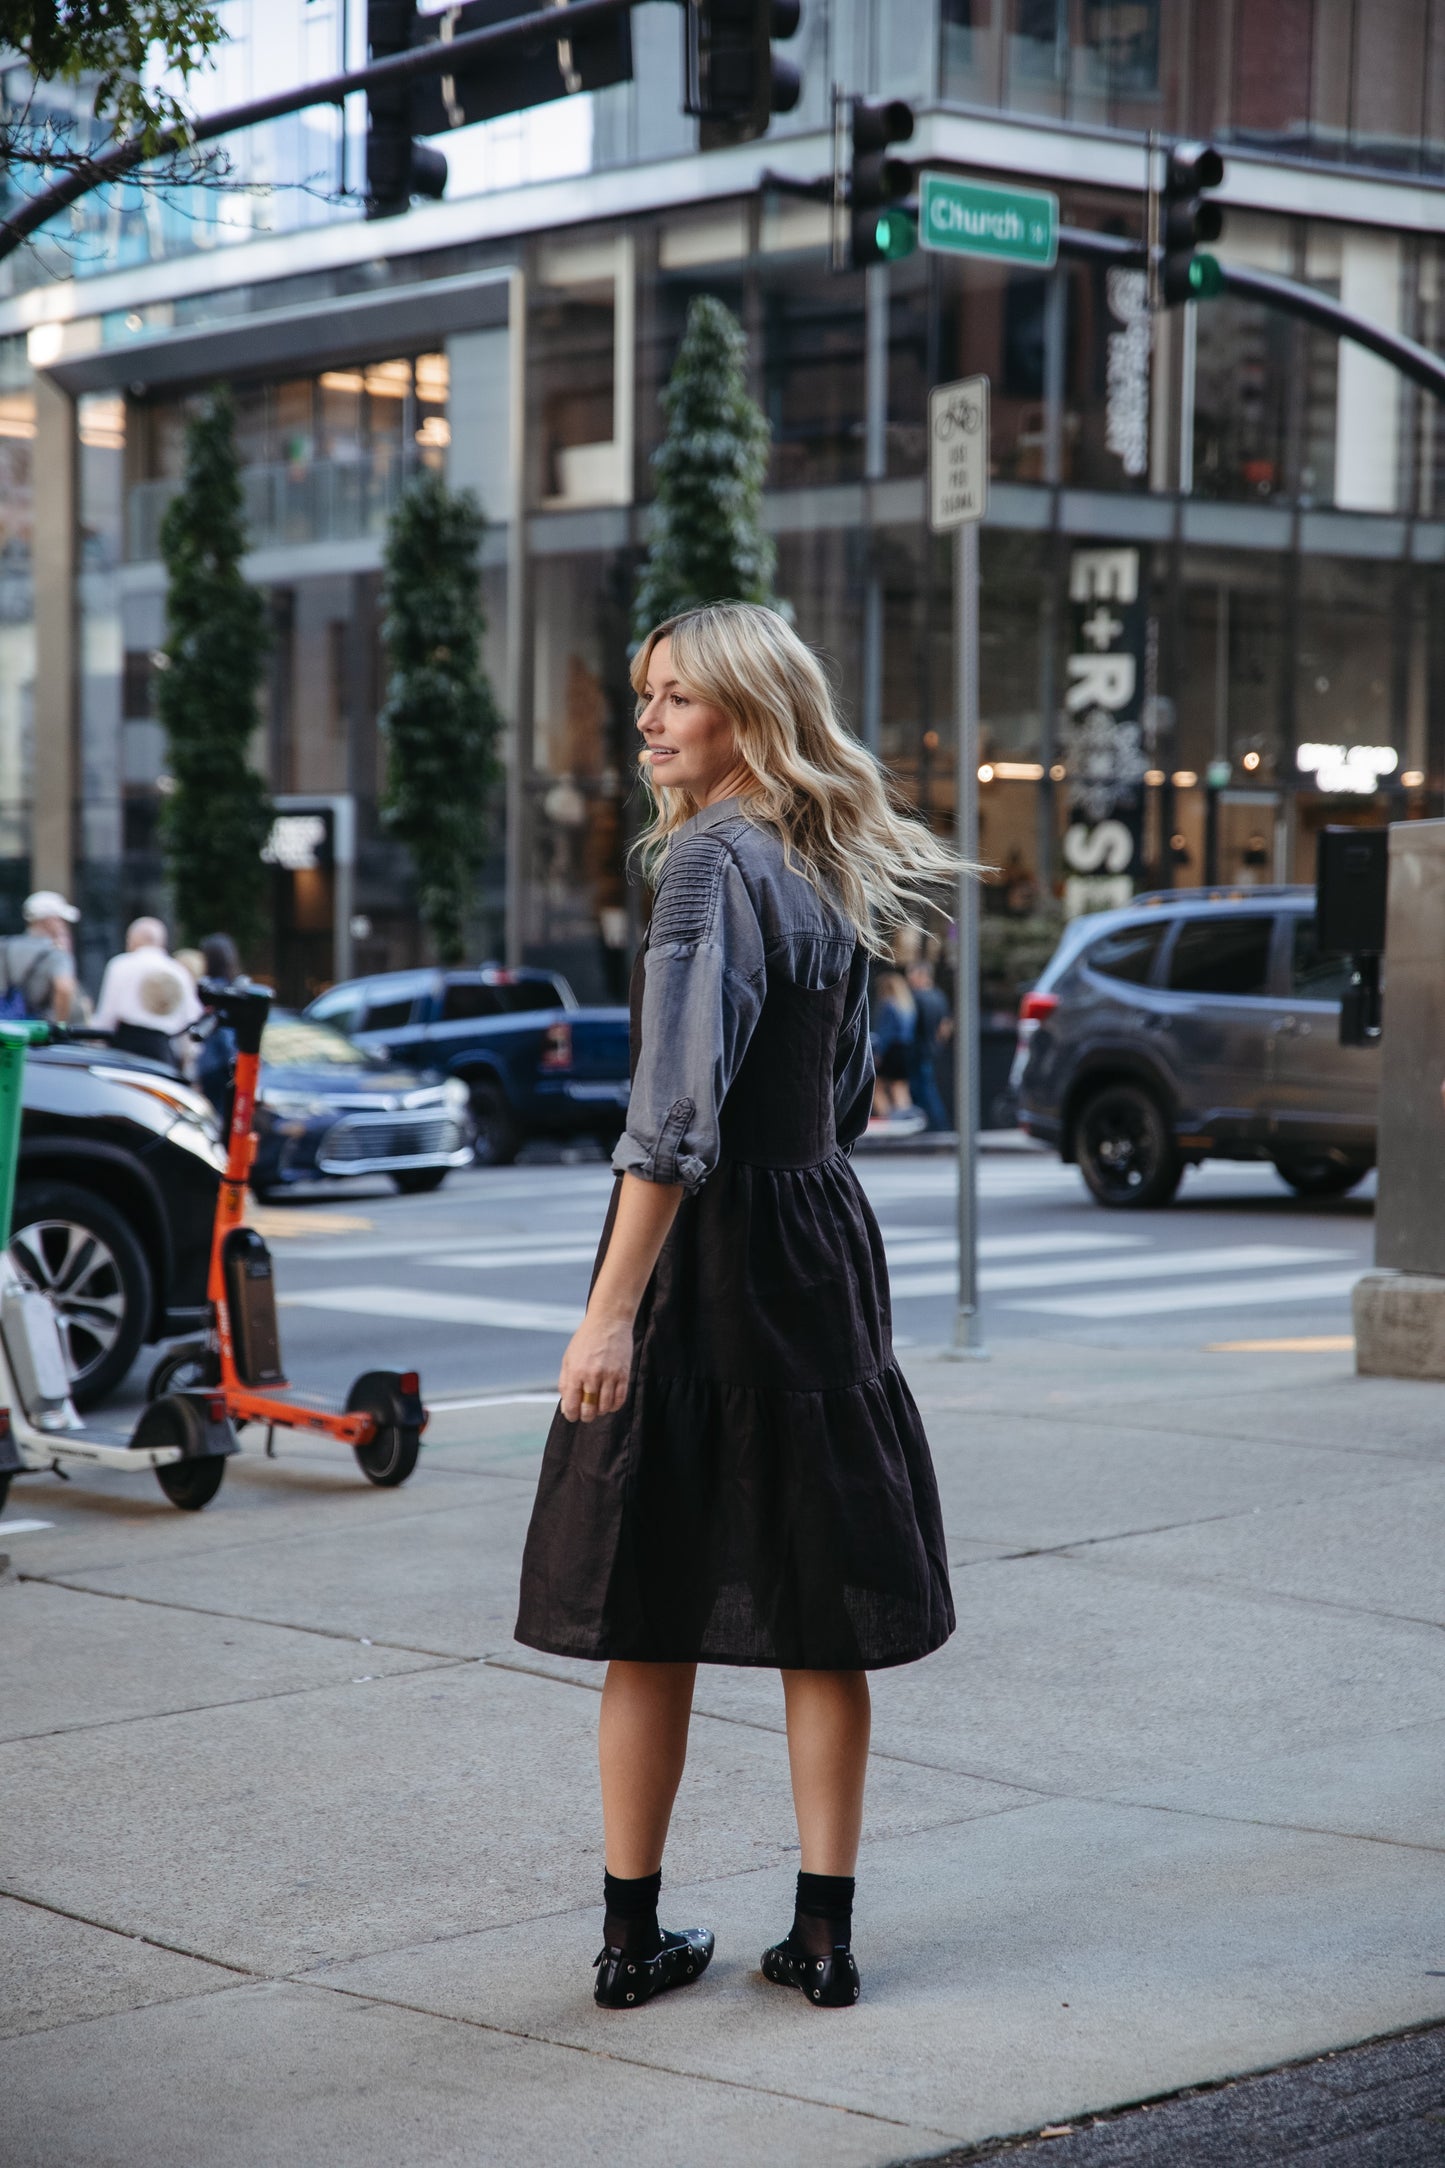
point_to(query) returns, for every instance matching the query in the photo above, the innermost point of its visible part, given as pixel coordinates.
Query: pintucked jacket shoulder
(729, 910)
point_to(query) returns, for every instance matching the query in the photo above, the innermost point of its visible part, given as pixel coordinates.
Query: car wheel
(1316, 1174)
(419, 1181)
(498, 1138)
(1126, 1152)
(5, 1487)
(76, 1248)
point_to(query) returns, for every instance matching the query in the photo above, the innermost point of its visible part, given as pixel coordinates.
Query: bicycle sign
(957, 453)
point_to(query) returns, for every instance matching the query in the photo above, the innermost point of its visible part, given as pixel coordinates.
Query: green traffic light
(1206, 278)
(895, 235)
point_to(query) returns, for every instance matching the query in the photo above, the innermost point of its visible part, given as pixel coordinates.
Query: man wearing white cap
(146, 998)
(38, 966)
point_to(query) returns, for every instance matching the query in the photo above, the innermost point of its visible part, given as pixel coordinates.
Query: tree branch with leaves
(116, 44)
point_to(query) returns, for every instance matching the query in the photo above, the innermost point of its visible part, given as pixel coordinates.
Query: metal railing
(326, 500)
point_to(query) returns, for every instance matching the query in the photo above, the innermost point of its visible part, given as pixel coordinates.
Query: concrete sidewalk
(302, 1853)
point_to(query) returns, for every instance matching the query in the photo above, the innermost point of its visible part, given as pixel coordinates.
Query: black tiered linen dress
(765, 1496)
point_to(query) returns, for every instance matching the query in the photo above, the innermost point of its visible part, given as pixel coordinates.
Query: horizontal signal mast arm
(1406, 355)
(545, 27)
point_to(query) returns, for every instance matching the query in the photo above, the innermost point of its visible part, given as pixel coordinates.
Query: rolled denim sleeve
(704, 979)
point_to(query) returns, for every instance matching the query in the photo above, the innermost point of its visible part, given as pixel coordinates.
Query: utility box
(1400, 1307)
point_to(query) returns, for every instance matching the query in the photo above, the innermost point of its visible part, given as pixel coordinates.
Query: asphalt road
(479, 1285)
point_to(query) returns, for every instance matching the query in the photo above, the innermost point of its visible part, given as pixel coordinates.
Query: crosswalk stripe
(410, 1302)
(498, 1245)
(1199, 1295)
(514, 1260)
(1240, 1257)
(938, 1249)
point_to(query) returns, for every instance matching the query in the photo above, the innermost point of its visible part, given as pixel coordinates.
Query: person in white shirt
(146, 998)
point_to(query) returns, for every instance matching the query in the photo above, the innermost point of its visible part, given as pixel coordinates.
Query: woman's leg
(829, 1715)
(641, 1747)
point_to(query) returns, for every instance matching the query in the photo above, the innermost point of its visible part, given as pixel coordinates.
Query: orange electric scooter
(240, 1359)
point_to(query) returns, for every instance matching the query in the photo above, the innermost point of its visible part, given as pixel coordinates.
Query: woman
(737, 1473)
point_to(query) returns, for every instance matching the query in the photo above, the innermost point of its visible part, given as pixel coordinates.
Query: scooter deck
(95, 1448)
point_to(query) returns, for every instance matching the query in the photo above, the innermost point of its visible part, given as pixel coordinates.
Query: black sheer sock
(631, 1922)
(824, 1915)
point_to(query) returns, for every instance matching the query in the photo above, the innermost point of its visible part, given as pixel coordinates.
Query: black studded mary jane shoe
(623, 1982)
(831, 1983)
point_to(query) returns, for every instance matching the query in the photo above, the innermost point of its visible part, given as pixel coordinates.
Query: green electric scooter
(184, 1437)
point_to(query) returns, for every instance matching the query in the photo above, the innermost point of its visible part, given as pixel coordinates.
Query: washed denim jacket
(728, 908)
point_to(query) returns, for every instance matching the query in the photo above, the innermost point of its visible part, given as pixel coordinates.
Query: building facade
(1277, 499)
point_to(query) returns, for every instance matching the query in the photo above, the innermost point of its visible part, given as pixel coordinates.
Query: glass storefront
(1359, 82)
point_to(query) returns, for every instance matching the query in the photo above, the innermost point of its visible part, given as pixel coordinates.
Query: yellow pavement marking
(277, 1225)
(1338, 1343)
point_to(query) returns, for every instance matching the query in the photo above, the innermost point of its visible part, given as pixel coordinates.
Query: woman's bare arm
(599, 1355)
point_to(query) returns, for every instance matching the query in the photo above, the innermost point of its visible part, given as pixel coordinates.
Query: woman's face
(688, 744)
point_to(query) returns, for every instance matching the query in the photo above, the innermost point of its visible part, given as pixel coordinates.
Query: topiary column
(440, 720)
(217, 818)
(707, 542)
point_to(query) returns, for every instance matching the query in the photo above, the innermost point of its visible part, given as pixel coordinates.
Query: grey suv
(1196, 1024)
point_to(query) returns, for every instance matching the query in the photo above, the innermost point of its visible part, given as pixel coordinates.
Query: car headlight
(455, 1096)
(283, 1102)
(181, 1098)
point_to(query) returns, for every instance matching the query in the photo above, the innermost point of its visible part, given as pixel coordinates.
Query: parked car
(534, 1062)
(327, 1106)
(114, 1199)
(1190, 1025)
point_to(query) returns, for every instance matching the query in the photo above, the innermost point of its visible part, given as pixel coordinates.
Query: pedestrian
(146, 998)
(933, 1027)
(216, 1059)
(894, 1020)
(737, 1473)
(38, 966)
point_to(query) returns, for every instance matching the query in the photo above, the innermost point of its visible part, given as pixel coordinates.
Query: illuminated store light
(1353, 768)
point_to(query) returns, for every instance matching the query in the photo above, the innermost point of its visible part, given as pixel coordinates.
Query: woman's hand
(596, 1369)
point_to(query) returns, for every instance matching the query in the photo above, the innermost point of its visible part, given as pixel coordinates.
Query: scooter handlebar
(242, 1004)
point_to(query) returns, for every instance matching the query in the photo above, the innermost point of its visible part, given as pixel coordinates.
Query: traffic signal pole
(1412, 360)
(398, 70)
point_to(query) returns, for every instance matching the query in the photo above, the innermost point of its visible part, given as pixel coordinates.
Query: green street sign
(969, 218)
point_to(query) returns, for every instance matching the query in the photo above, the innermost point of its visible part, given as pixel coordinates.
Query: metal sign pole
(966, 1013)
(958, 441)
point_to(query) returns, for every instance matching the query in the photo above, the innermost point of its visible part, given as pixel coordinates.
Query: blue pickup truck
(535, 1062)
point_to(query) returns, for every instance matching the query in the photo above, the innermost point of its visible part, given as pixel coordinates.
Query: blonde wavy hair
(822, 793)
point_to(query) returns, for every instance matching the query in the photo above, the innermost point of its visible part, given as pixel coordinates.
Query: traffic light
(1187, 219)
(735, 82)
(510, 82)
(397, 166)
(881, 228)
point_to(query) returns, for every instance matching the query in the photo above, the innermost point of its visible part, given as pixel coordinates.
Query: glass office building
(1280, 497)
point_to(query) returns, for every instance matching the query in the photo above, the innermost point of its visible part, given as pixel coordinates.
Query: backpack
(14, 1006)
